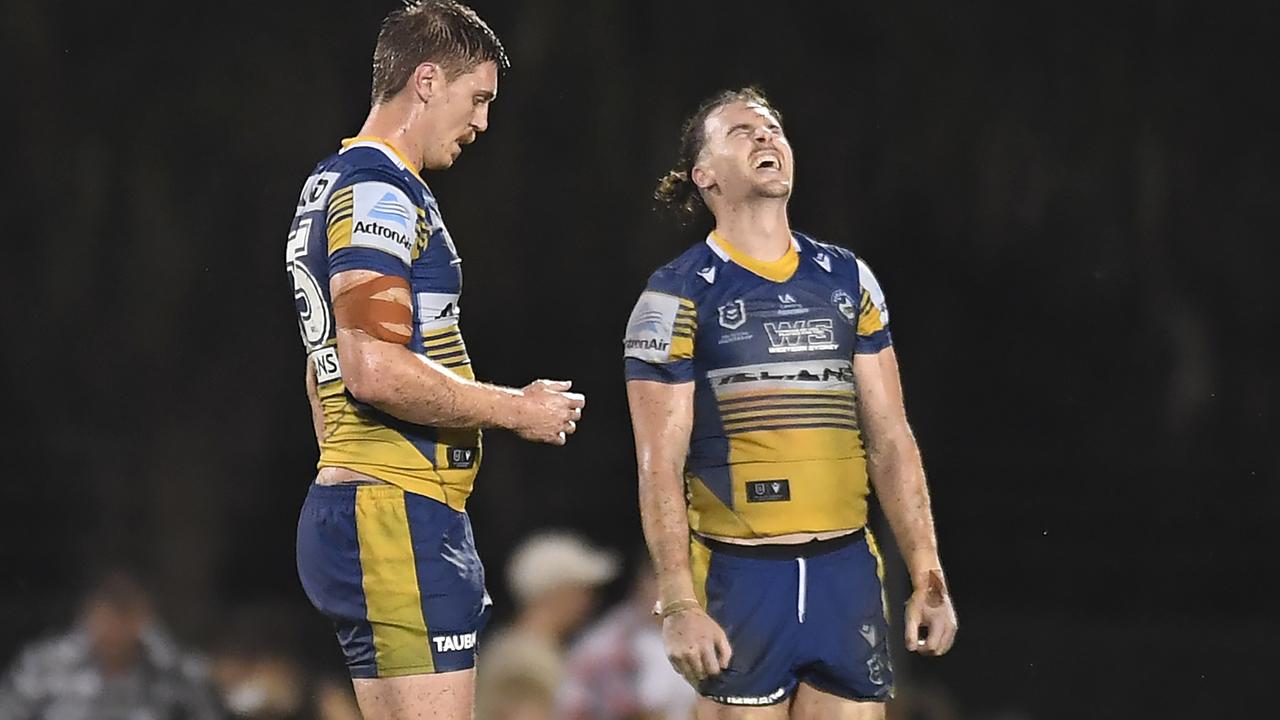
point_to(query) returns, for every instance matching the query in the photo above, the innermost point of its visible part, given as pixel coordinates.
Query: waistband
(784, 552)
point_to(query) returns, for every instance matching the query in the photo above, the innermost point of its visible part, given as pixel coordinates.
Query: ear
(425, 80)
(702, 177)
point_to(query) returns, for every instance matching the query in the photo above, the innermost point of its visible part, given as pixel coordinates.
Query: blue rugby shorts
(813, 613)
(397, 574)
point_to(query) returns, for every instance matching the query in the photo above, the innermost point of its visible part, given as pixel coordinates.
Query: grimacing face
(459, 111)
(746, 154)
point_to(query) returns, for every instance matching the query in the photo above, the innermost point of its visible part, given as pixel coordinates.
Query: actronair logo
(647, 344)
(800, 336)
(452, 643)
(380, 230)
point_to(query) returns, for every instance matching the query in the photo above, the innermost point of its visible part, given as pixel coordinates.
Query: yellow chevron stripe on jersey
(340, 213)
(869, 317)
(812, 419)
(390, 581)
(681, 347)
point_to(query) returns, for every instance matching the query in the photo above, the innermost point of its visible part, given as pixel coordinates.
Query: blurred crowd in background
(560, 656)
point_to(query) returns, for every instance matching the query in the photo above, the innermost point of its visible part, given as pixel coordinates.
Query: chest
(434, 267)
(749, 320)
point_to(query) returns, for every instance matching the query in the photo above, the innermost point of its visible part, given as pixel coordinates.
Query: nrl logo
(733, 315)
(845, 304)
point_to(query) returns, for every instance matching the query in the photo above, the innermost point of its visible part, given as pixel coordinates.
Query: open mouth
(767, 161)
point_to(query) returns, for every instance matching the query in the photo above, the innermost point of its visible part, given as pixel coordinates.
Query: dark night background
(1071, 208)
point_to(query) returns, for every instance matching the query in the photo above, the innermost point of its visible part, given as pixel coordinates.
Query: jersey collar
(779, 270)
(386, 148)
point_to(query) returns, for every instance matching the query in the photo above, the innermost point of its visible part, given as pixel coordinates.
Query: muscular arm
(897, 474)
(894, 464)
(662, 418)
(406, 385)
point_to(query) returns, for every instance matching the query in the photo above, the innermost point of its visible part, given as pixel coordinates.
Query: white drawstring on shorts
(800, 594)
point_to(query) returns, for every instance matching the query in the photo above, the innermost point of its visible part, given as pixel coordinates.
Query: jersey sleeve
(659, 340)
(371, 225)
(873, 314)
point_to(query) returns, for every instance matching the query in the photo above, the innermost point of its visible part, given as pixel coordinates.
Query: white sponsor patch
(769, 699)
(325, 361)
(436, 311)
(650, 327)
(809, 375)
(868, 281)
(384, 219)
(316, 191)
(451, 643)
(791, 336)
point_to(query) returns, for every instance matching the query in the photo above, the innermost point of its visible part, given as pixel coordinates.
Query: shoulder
(684, 275)
(362, 164)
(840, 256)
(849, 262)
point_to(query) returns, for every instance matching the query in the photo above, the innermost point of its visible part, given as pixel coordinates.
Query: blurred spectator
(553, 578)
(923, 700)
(618, 669)
(115, 664)
(261, 675)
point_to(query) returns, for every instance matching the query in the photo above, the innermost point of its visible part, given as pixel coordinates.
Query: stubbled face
(457, 111)
(746, 154)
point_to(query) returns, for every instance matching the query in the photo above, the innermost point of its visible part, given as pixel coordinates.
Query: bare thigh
(812, 704)
(443, 696)
(710, 710)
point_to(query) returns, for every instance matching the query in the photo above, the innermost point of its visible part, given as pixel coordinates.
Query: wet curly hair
(676, 191)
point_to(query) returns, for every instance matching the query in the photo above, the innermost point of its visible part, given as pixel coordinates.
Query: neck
(758, 227)
(394, 121)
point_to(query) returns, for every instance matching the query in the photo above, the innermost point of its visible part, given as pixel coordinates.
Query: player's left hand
(931, 618)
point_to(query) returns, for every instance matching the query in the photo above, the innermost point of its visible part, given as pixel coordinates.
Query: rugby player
(766, 402)
(385, 548)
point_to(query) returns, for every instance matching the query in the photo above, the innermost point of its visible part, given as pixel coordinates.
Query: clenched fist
(549, 413)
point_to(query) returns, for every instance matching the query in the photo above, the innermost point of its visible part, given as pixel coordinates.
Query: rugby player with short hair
(766, 403)
(385, 548)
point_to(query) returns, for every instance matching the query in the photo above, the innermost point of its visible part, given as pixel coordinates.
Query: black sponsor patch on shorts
(768, 491)
(461, 458)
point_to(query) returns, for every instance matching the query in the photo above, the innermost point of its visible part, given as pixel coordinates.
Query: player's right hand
(550, 413)
(696, 645)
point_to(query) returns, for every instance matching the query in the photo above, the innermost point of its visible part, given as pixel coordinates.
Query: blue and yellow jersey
(364, 208)
(775, 447)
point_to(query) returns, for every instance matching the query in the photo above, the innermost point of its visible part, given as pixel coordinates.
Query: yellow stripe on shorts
(392, 597)
(875, 553)
(700, 564)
